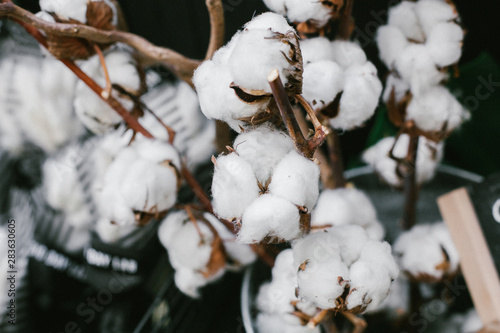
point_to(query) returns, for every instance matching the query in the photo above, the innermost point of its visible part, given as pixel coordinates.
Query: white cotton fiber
(272, 216)
(427, 251)
(428, 156)
(250, 66)
(400, 87)
(321, 283)
(403, 16)
(66, 9)
(445, 43)
(380, 253)
(234, 186)
(369, 285)
(347, 54)
(275, 323)
(316, 49)
(323, 246)
(322, 81)
(347, 206)
(263, 148)
(277, 6)
(391, 42)
(296, 179)
(431, 13)
(110, 232)
(417, 67)
(352, 240)
(189, 281)
(432, 109)
(269, 21)
(362, 90)
(305, 10)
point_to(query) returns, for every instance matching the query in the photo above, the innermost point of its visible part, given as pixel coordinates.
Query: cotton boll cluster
(36, 99)
(93, 112)
(419, 43)
(317, 13)
(427, 253)
(346, 206)
(428, 156)
(233, 85)
(198, 252)
(341, 268)
(265, 184)
(339, 81)
(143, 178)
(277, 301)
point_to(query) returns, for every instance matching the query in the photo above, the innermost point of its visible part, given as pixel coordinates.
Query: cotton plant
(426, 253)
(346, 206)
(265, 186)
(200, 249)
(338, 269)
(339, 82)
(233, 86)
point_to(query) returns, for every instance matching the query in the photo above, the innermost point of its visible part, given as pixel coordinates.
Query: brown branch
(346, 22)
(303, 146)
(408, 170)
(336, 161)
(359, 323)
(217, 26)
(150, 54)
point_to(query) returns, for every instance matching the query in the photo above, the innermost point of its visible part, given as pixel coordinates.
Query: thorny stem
(181, 66)
(303, 146)
(336, 162)
(346, 24)
(408, 170)
(217, 26)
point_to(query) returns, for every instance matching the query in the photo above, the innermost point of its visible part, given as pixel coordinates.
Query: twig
(217, 27)
(336, 162)
(303, 146)
(408, 170)
(359, 323)
(318, 318)
(346, 22)
(181, 66)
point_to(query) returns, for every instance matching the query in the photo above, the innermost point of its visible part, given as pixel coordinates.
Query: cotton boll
(305, 10)
(322, 246)
(94, 113)
(296, 179)
(157, 151)
(269, 216)
(431, 13)
(170, 225)
(391, 43)
(433, 109)
(380, 254)
(66, 9)
(240, 254)
(347, 207)
(217, 99)
(404, 17)
(270, 21)
(352, 241)
(322, 282)
(416, 66)
(189, 281)
(428, 156)
(277, 6)
(234, 186)
(322, 82)
(263, 148)
(445, 43)
(426, 252)
(400, 87)
(362, 90)
(397, 303)
(316, 49)
(348, 54)
(369, 284)
(110, 232)
(267, 323)
(249, 66)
